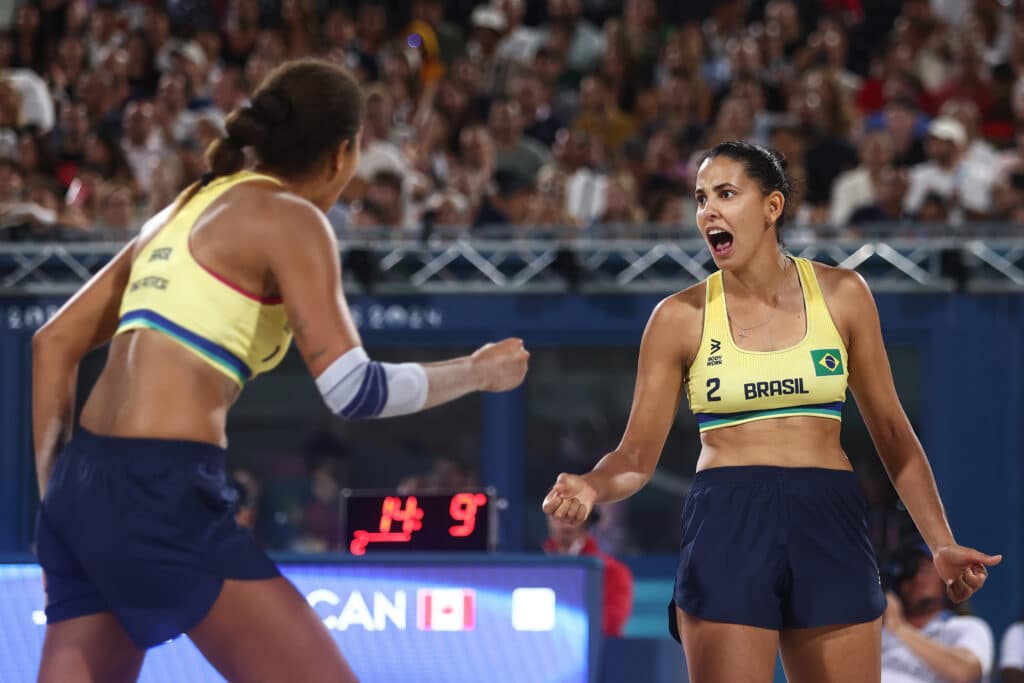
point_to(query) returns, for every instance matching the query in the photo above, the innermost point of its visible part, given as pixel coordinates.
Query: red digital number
(463, 509)
(391, 510)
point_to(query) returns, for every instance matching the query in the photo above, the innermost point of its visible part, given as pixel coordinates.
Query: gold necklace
(744, 331)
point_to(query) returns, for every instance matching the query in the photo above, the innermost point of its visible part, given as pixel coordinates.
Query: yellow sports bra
(727, 385)
(238, 333)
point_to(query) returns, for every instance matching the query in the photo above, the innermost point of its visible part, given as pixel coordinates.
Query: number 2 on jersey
(713, 384)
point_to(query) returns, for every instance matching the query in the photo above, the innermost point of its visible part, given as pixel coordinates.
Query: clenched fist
(571, 499)
(501, 366)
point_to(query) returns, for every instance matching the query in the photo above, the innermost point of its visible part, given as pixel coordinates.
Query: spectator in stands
(116, 220)
(384, 195)
(901, 119)
(584, 41)
(144, 144)
(513, 151)
(977, 151)
(510, 202)
(1011, 654)
(173, 117)
(889, 191)
(321, 520)
(617, 603)
(600, 115)
(923, 640)
(541, 122)
(964, 186)
(472, 174)
(856, 188)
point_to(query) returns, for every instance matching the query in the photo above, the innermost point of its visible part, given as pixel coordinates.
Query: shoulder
(285, 220)
(841, 286)
(679, 310)
(681, 307)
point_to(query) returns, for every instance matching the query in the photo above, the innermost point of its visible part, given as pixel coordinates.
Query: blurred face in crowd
(736, 117)
(944, 152)
(138, 121)
(102, 22)
(371, 21)
(226, 90)
(339, 29)
(74, 123)
(325, 486)
(572, 148)
(731, 205)
(592, 95)
(118, 208)
(876, 150)
(674, 97)
(156, 25)
(892, 187)
(549, 65)
(745, 56)
(172, 93)
(11, 182)
(476, 145)
(923, 592)
(505, 121)
(530, 93)
(71, 54)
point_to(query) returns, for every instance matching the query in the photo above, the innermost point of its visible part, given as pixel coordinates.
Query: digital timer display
(430, 521)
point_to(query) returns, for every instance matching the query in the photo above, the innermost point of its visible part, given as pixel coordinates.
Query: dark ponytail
(248, 126)
(297, 118)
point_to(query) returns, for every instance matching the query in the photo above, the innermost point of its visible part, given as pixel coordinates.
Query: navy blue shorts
(144, 529)
(776, 547)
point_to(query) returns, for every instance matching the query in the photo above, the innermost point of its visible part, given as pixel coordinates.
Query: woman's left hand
(963, 569)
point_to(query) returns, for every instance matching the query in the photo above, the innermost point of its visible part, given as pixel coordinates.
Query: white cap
(485, 16)
(949, 129)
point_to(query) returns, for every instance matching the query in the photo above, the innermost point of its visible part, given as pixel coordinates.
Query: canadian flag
(446, 609)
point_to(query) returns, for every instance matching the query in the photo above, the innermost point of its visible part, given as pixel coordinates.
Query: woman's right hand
(570, 500)
(501, 366)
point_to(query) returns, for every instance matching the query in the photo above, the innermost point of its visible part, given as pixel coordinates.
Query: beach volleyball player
(775, 553)
(136, 534)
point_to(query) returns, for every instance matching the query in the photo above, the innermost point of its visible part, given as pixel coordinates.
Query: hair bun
(271, 108)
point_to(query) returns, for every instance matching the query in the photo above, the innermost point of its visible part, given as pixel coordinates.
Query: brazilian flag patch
(827, 362)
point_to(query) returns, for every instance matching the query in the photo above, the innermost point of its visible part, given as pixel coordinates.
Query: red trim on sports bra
(268, 300)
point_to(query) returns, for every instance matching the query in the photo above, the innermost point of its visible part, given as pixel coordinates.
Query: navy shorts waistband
(803, 477)
(136, 448)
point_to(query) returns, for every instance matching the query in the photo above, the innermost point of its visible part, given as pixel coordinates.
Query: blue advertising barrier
(429, 619)
(971, 418)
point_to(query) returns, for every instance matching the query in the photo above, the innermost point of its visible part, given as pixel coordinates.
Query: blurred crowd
(531, 113)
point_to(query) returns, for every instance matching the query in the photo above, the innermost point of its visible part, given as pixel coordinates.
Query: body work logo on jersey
(446, 609)
(716, 346)
(827, 362)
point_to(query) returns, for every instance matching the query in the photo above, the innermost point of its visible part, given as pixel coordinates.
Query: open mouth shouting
(720, 241)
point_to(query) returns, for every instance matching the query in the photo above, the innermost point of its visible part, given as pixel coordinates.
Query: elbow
(969, 672)
(44, 341)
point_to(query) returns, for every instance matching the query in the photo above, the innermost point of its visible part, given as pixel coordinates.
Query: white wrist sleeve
(356, 387)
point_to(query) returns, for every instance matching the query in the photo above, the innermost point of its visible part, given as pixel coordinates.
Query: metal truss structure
(607, 264)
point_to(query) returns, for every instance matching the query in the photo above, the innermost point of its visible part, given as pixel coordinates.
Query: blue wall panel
(972, 391)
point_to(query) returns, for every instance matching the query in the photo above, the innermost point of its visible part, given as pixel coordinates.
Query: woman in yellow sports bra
(136, 533)
(775, 553)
